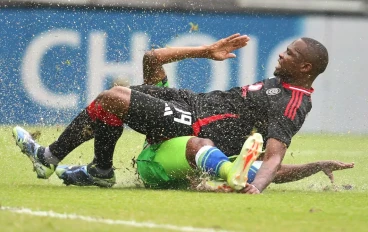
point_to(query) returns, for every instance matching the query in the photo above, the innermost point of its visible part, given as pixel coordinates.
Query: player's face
(289, 62)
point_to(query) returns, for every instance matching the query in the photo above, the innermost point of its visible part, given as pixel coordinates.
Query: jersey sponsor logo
(255, 87)
(273, 91)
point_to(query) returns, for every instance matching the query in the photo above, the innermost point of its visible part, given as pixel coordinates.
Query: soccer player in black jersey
(277, 107)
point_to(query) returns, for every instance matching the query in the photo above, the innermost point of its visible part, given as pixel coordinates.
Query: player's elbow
(150, 58)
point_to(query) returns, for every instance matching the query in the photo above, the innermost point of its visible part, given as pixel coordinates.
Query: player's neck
(304, 82)
(301, 84)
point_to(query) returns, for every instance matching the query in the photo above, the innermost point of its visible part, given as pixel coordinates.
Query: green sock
(224, 169)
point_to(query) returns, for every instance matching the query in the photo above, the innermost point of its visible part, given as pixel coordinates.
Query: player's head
(303, 57)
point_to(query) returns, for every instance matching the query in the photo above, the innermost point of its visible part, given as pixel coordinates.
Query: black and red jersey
(275, 109)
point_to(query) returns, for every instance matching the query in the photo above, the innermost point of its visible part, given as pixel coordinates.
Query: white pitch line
(52, 214)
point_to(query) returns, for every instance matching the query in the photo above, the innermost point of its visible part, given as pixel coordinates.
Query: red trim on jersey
(286, 113)
(298, 88)
(95, 111)
(297, 106)
(294, 104)
(205, 121)
(244, 90)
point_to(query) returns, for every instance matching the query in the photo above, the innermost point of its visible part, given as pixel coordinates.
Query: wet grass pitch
(312, 204)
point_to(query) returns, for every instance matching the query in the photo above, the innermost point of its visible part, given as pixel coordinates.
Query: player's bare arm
(275, 152)
(153, 60)
(289, 172)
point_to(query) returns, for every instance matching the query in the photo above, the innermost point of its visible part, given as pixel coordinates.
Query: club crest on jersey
(273, 91)
(255, 87)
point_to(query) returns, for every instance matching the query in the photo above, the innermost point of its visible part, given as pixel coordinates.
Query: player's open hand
(331, 165)
(223, 48)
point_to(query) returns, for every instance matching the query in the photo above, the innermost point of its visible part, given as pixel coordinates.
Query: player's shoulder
(274, 85)
(262, 84)
(281, 94)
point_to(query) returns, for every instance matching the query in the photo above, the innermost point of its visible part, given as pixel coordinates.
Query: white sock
(49, 158)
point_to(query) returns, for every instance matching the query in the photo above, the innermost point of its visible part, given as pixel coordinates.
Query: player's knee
(115, 100)
(195, 143)
(118, 92)
(115, 94)
(150, 58)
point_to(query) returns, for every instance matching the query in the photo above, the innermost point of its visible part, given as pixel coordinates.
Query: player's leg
(106, 132)
(45, 159)
(169, 163)
(216, 163)
(143, 113)
(100, 171)
(221, 185)
(33, 150)
(92, 122)
(237, 174)
(164, 165)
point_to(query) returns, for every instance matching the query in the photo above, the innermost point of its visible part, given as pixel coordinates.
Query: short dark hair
(317, 54)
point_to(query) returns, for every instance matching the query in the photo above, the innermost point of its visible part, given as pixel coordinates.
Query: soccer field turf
(312, 204)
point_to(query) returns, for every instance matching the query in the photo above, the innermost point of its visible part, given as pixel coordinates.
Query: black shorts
(160, 113)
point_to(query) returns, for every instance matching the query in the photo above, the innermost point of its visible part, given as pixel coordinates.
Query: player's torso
(228, 117)
(279, 108)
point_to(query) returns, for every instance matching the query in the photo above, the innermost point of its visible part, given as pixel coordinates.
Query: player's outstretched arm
(289, 173)
(153, 60)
